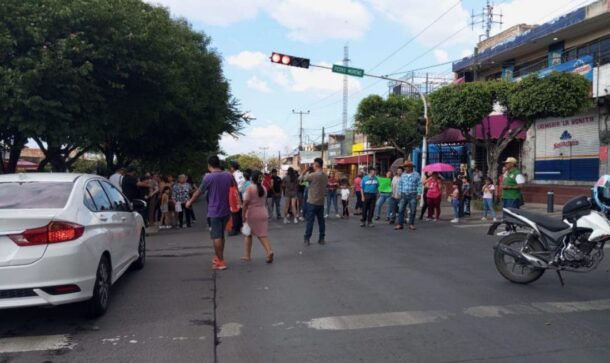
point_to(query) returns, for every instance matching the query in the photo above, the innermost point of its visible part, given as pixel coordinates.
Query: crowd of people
(165, 196)
(242, 202)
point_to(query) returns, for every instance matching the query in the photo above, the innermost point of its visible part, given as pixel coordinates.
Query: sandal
(412, 227)
(270, 258)
(246, 259)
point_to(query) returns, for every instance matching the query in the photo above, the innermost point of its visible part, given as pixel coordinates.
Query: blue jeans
(455, 203)
(511, 203)
(410, 200)
(331, 199)
(383, 197)
(393, 209)
(313, 212)
(304, 204)
(488, 207)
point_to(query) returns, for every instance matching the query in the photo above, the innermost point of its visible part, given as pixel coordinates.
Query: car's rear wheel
(141, 261)
(101, 291)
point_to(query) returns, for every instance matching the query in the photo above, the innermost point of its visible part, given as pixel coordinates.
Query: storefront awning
(354, 159)
(494, 125)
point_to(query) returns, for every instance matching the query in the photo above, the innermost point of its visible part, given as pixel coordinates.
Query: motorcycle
(538, 243)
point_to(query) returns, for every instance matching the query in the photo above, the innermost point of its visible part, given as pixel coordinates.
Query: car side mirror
(138, 205)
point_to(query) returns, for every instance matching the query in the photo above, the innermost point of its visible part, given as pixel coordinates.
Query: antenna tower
(487, 18)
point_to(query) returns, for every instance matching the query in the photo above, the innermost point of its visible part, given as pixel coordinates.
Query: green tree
(248, 161)
(392, 121)
(119, 76)
(468, 105)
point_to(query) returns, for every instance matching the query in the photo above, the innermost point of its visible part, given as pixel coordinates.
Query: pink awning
(494, 125)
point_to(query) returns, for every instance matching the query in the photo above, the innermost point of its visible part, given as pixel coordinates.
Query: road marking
(230, 330)
(405, 318)
(35, 343)
(402, 318)
(478, 225)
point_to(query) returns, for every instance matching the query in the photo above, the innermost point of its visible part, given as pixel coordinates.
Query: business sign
(567, 148)
(582, 66)
(307, 157)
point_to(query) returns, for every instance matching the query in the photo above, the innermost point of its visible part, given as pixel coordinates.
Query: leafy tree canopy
(247, 161)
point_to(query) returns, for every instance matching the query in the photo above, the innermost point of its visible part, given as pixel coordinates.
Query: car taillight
(54, 232)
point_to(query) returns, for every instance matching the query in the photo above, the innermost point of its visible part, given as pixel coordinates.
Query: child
(455, 202)
(165, 222)
(345, 199)
(488, 199)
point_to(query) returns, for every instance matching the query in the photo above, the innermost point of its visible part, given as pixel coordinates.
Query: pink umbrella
(439, 168)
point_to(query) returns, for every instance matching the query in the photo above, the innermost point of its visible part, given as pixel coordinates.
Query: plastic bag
(246, 230)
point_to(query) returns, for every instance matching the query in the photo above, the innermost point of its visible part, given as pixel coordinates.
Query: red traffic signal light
(289, 60)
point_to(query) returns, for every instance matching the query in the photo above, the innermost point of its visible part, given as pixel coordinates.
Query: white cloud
(316, 20)
(212, 12)
(416, 15)
(316, 79)
(258, 84)
(255, 137)
(307, 21)
(535, 12)
(441, 55)
(248, 59)
(466, 53)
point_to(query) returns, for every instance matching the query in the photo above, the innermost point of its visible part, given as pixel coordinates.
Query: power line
(415, 36)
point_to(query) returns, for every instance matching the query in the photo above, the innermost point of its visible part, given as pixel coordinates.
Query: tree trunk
(492, 162)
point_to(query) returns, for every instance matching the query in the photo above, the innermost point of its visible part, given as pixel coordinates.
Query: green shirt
(511, 179)
(385, 185)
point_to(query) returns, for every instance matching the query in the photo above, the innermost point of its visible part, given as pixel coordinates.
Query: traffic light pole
(421, 95)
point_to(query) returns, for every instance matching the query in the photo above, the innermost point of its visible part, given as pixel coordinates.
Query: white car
(65, 238)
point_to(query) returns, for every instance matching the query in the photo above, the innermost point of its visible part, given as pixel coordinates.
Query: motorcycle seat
(550, 223)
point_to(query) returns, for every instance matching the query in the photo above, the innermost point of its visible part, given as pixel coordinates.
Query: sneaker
(306, 242)
(285, 220)
(495, 219)
(362, 224)
(371, 225)
(219, 265)
(377, 218)
(503, 233)
(301, 219)
(321, 242)
(325, 216)
(296, 221)
(434, 220)
(455, 220)
(484, 219)
(427, 219)
(338, 216)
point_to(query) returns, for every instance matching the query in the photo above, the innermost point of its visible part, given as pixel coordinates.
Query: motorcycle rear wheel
(509, 268)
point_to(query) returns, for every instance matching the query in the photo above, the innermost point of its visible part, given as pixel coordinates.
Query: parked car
(65, 238)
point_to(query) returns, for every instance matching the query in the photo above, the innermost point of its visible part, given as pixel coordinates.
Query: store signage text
(568, 122)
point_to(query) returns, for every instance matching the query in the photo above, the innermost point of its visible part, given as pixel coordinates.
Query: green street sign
(356, 72)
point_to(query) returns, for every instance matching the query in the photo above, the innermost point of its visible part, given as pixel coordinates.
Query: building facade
(569, 151)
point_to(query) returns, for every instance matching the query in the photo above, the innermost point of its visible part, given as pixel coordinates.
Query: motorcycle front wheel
(512, 270)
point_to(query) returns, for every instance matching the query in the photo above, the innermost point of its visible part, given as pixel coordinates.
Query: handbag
(234, 199)
(246, 230)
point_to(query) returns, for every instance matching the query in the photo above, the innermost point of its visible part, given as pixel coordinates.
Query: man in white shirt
(117, 178)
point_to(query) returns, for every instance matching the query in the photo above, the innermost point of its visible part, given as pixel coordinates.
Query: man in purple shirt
(217, 184)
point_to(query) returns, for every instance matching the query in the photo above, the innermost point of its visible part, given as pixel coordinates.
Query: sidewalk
(476, 214)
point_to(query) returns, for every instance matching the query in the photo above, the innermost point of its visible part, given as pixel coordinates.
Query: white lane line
(479, 225)
(230, 330)
(35, 343)
(403, 318)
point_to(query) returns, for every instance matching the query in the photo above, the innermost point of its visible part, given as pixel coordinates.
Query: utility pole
(322, 154)
(345, 86)
(264, 148)
(487, 18)
(300, 113)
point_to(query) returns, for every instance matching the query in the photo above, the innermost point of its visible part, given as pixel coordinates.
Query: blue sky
(246, 32)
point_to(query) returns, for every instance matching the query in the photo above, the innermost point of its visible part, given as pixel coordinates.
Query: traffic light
(289, 60)
(422, 125)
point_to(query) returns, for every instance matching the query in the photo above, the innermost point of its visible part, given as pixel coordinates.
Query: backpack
(267, 183)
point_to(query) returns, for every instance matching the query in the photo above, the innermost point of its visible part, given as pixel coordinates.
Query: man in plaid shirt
(410, 192)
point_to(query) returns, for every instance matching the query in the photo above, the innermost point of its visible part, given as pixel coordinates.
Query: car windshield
(34, 195)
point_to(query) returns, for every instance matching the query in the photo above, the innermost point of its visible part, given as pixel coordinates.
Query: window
(34, 195)
(89, 203)
(99, 196)
(118, 201)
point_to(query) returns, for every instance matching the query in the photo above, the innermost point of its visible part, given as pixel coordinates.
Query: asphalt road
(370, 295)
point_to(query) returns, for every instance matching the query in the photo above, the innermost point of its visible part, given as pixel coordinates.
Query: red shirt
(358, 184)
(434, 188)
